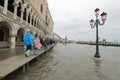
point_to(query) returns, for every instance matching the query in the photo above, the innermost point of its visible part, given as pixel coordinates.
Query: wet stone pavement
(74, 62)
(7, 52)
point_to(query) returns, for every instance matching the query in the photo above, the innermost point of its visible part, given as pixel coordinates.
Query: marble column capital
(15, 4)
(12, 35)
(22, 10)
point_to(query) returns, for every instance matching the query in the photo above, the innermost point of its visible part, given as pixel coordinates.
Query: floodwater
(8, 52)
(74, 62)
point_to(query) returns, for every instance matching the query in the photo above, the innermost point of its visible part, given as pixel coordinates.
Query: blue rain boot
(35, 51)
(27, 54)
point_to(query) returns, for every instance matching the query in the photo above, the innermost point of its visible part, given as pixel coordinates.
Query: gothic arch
(20, 33)
(6, 29)
(8, 24)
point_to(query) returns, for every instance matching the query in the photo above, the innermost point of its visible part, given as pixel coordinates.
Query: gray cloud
(71, 18)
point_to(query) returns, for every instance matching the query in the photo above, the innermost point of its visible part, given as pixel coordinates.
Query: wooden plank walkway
(9, 65)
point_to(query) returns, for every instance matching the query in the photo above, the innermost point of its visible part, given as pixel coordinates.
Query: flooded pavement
(8, 52)
(74, 62)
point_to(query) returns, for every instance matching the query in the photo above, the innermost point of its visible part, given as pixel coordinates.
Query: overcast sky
(71, 18)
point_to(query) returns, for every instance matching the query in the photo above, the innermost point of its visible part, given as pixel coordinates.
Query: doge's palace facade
(19, 16)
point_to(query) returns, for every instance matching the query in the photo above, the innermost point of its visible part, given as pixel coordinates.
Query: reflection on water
(9, 52)
(97, 65)
(73, 62)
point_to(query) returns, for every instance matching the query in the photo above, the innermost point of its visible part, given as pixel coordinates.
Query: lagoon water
(74, 62)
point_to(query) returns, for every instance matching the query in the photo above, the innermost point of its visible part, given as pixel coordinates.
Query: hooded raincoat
(28, 39)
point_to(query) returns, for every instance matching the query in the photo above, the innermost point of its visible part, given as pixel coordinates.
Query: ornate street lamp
(95, 24)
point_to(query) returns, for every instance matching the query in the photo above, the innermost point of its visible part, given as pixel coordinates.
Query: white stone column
(28, 14)
(33, 20)
(5, 6)
(15, 10)
(21, 19)
(12, 40)
(26, 17)
(30, 19)
(36, 23)
(39, 25)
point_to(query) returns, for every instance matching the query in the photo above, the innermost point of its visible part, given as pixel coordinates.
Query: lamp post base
(97, 59)
(97, 55)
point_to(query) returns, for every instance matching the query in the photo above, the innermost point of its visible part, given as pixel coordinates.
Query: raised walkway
(11, 64)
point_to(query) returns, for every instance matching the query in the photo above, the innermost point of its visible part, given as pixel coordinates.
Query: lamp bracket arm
(101, 23)
(93, 25)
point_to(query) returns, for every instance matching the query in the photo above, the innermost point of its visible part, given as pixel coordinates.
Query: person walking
(37, 44)
(28, 39)
(42, 41)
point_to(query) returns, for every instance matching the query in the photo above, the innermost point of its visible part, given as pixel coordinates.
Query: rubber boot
(27, 53)
(35, 51)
